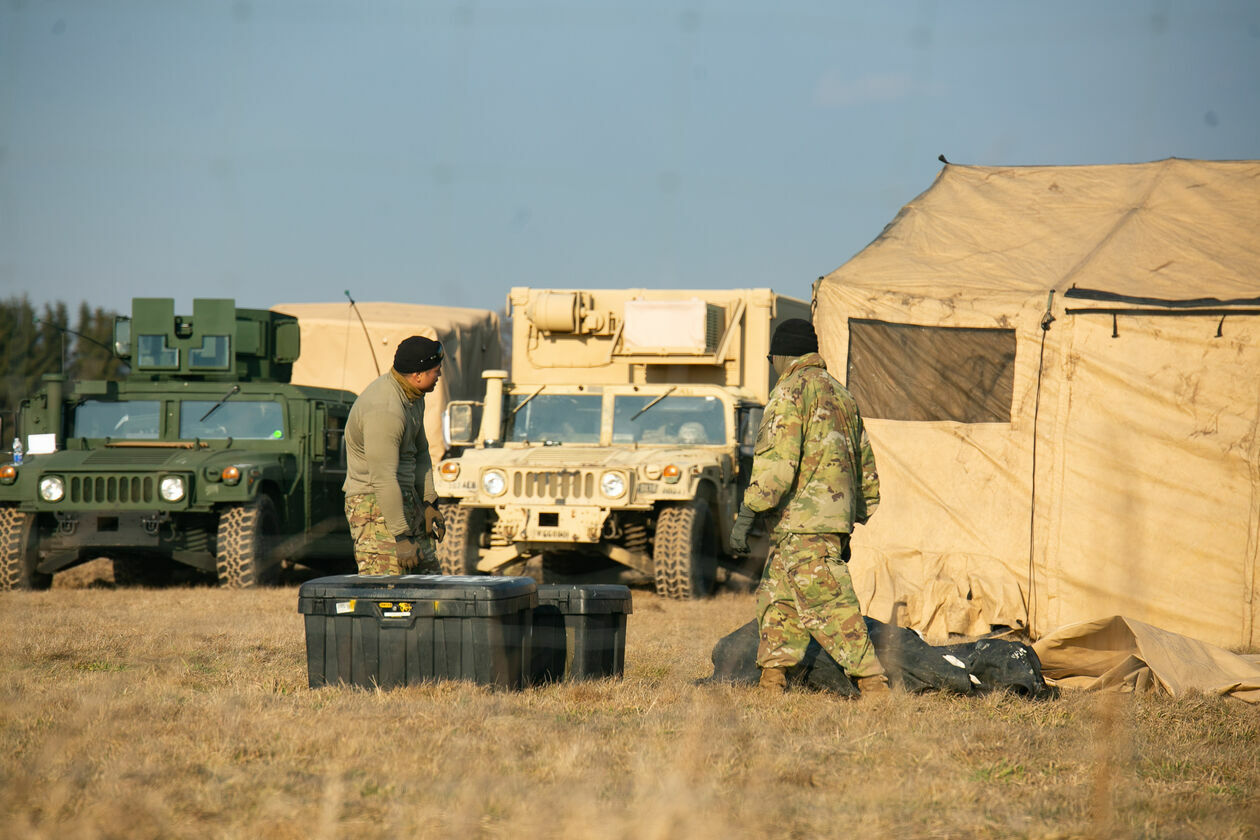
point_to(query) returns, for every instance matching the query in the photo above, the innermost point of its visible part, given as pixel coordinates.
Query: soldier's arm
(382, 436)
(425, 489)
(870, 478)
(777, 454)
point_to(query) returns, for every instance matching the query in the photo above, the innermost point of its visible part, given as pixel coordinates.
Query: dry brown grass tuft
(185, 713)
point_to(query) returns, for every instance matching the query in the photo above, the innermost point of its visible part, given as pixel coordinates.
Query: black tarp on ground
(1002, 664)
(912, 663)
(735, 660)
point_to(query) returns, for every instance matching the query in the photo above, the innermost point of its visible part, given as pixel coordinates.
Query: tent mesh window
(910, 372)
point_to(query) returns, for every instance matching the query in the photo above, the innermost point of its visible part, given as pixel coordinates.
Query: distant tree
(52, 343)
(32, 345)
(17, 335)
(93, 346)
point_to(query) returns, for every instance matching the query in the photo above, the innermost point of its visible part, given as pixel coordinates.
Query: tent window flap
(911, 372)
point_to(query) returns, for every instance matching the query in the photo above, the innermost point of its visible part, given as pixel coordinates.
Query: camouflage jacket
(386, 451)
(813, 468)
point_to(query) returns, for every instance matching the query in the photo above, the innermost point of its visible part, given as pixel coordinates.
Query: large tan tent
(1059, 368)
(336, 353)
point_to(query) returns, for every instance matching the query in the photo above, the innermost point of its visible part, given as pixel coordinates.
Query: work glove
(739, 532)
(407, 550)
(434, 522)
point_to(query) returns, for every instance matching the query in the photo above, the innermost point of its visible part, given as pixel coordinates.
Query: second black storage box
(580, 632)
(390, 630)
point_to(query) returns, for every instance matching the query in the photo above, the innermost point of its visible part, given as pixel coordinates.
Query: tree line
(34, 342)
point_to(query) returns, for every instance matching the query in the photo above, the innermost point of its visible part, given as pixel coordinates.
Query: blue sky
(438, 152)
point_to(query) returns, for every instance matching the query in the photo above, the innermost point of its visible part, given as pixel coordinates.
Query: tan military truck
(624, 434)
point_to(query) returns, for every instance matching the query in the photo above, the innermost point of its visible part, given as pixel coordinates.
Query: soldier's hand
(434, 522)
(407, 551)
(739, 532)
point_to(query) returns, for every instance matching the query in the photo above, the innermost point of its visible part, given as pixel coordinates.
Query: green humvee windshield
(238, 419)
(673, 420)
(129, 419)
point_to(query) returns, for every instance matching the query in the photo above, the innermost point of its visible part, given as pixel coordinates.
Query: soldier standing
(391, 502)
(814, 471)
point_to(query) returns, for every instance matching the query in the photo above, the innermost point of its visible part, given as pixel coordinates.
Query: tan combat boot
(773, 680)
(873, 686)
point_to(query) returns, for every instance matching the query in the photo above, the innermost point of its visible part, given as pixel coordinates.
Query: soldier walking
(814, 473)
(391, 502)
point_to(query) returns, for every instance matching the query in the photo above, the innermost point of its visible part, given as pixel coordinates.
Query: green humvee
(204, 457)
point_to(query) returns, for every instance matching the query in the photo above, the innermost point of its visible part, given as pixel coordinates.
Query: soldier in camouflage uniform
(391, 502)
(814, 474)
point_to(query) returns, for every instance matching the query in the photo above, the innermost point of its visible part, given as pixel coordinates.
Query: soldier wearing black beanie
(417, 354)
(813, 473)
(794, 337)
(391, 502)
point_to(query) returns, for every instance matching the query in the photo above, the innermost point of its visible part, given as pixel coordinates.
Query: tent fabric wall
(1146, 500)
(337, 354)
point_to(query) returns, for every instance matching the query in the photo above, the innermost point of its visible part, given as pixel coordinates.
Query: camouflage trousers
(806, 591)
(375, 551)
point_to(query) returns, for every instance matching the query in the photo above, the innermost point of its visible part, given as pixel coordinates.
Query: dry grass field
(185, 713)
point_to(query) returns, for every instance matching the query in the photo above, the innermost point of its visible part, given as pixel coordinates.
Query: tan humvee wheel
(457, 552)
(685, 555)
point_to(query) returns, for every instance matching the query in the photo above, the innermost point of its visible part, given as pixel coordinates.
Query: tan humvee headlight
(172, 488)
(52, 488)
(449, 470)
(671, 473)
(612, 484)
(494, 482)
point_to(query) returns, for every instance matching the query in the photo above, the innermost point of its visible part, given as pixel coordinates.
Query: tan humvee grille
(553, 484)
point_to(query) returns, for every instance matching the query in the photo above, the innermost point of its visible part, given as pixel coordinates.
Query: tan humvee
(625, 433)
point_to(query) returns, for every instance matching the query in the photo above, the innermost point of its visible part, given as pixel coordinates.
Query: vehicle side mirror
(749, 425)
(460, 423)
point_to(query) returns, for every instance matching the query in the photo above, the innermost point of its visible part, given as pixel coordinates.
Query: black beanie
(794, 337)
(417, 354)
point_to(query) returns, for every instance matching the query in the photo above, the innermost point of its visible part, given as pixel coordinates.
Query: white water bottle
(17, 450)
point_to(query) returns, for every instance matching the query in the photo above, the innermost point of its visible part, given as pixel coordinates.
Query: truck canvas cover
(337, 354)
